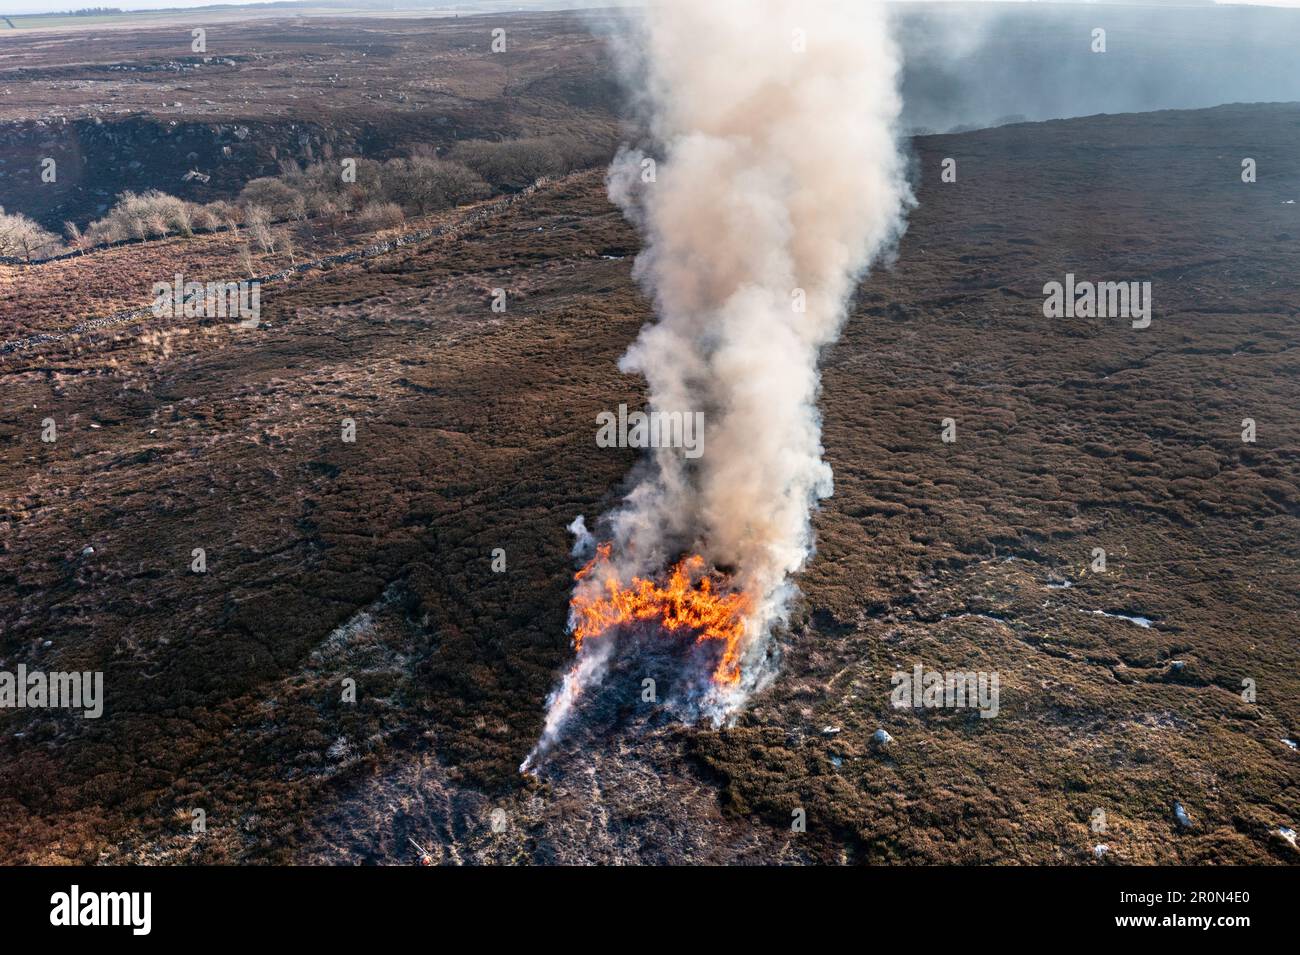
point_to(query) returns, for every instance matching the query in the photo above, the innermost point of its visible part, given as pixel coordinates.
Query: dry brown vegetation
(372, 559)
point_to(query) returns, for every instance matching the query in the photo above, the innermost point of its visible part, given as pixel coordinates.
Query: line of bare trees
(380, 196)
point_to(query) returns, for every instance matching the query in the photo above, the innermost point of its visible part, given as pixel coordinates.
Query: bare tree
(258, 220)
(284, 241)
(226, 213)
(77, 240)
(246, 261)
(20, 237)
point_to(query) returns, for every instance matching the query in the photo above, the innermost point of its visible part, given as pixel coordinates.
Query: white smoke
(585, 674)
(777, 180)
(584, 545)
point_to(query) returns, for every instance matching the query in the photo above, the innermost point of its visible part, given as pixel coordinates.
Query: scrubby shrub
(512, 164)
(381, 215)
(425, 184)
(515, 163)
(278, 196)
(417, 185)
(145, 215)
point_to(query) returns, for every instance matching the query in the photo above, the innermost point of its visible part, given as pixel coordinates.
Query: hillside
(371, 561)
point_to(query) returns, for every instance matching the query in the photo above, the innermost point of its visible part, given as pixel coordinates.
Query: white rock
(881, 738)
(1100, 849)
(1181, 815)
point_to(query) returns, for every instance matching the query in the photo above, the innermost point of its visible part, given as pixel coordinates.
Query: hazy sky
(47, 6)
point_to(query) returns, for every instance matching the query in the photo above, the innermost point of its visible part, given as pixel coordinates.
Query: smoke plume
(772, 180)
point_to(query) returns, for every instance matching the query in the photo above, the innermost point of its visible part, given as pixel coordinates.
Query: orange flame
(687, 601)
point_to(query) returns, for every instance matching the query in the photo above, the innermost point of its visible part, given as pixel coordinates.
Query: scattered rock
(1181, 815)
(881, 738)
(1287, 833)
(1099, 850)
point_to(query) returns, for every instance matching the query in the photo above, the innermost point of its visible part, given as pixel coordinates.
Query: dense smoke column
(774, 180)
(778, 180)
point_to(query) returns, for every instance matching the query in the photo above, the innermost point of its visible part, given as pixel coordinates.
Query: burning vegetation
(691, 600)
